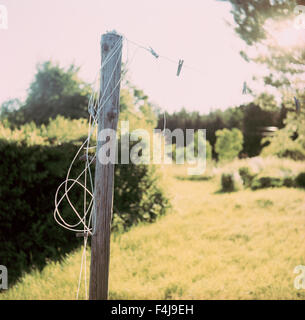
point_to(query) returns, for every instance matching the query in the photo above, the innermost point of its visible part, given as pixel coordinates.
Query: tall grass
(242, 245)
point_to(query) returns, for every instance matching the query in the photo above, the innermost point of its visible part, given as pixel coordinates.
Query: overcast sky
(68, 31)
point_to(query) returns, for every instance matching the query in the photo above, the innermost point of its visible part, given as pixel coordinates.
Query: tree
(8, 108)
(289, 141)
(228, 144)
(56, 91)
(247, 118)
(265, 24)
(268, 25)
(255, 118)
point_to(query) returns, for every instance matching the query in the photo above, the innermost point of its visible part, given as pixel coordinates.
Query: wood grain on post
(104, 173)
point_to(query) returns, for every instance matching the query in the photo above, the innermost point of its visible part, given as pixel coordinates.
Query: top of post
(109, 40)
(111, 35)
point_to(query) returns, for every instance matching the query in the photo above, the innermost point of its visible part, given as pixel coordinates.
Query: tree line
(251, 119)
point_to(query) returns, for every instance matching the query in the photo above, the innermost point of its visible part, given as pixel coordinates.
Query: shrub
(266, 172)
(230, 182)
(300, 180)
(297, 154)
(289, 182)
(262, 181)
(291, 150)
(29, 177)
(289, 141)
(228, 144)
(275, 176)
(247, 176)
(179, 153)
(138, 196)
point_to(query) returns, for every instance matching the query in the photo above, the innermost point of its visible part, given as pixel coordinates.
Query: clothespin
(245, 88)
(153, 52)
(179, 67)
(297, 104)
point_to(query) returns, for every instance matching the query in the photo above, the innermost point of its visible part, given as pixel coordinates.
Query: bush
(179, 153)
(297, 154)
(274, 177)
(137, 196)
(284, 143)
(29, 177)
(228, 144)
(231, 182)
(247, 176)
(289, 182)
(267, 172)
(261, 182)
(300, 180)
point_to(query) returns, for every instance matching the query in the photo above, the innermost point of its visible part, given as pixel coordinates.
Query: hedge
(29, 177)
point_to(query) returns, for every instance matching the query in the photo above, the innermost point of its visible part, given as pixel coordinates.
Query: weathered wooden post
(111, 52)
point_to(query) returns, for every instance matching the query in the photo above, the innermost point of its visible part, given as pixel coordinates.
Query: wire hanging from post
(85, 226)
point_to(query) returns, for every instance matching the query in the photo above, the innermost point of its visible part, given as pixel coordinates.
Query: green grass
(242, 245)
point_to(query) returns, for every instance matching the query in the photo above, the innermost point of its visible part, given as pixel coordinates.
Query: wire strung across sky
(179, 63)
(171, 60)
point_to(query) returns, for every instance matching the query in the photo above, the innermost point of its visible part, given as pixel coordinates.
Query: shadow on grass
(220, 191)
(193, 178)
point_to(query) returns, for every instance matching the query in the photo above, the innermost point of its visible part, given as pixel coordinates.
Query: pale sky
(69, 31)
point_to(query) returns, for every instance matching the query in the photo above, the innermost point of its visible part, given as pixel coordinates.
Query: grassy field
(212, 245)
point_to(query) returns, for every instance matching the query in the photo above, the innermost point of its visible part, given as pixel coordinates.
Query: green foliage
(263, 23)
(54, 91)
(273, 178)
(228, 144)
(137, 196)
(61, 130)
(227, 182)
(266, 102)
(30, 174)
(57, 131)
(136, 109)
(289, 182)
(29, 178)
(261, 182)
(9, 106)
(289, 142)
(37, 142)
(259, 22)
(257, 173)
(247, 175)
(255, 117)
(245, 228)
(179, 153)
(247, 118)
(250, 17)
(300, 180)
(230, 182)
(200, 140)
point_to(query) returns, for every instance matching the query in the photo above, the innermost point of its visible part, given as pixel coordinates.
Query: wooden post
(104, 173)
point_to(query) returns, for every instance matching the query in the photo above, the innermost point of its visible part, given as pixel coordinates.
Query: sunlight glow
(289, 37)
(284, 34)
